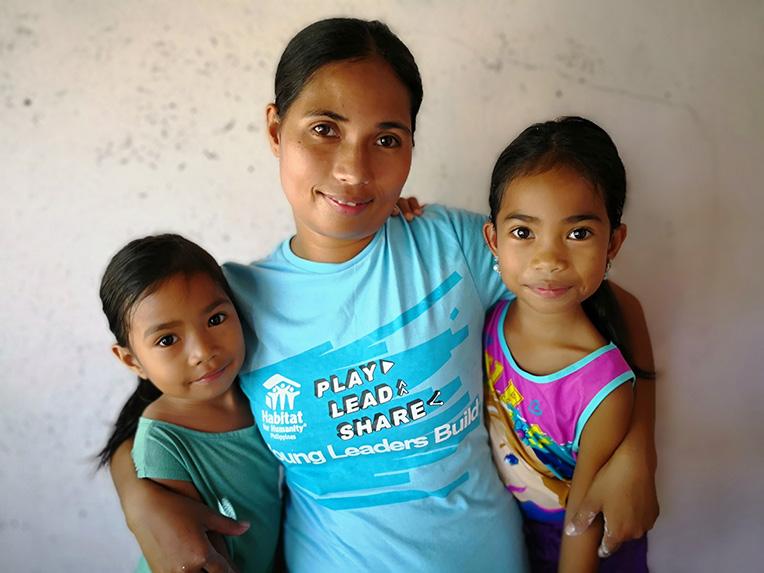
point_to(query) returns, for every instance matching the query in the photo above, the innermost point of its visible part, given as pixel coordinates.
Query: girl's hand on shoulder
(172, 532)
(408, 208)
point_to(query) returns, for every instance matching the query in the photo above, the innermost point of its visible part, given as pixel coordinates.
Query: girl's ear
(489, 235)
(126, 357)
(273, 127)
(617, 237)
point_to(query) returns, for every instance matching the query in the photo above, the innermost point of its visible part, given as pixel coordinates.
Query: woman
(364, 360)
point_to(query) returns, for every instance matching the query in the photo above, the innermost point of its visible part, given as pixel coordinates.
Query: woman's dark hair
(137, 270)
(337, 39)
(585, 147)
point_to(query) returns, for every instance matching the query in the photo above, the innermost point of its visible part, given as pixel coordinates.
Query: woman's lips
(347, 205)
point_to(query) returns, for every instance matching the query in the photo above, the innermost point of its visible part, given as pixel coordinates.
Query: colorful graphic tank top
(536, 422)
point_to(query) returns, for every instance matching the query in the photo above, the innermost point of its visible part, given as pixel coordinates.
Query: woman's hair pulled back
(337, 39)
(137, 270)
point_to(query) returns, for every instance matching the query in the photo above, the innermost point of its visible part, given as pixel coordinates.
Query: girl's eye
(216, 319)
(580, 234)
(167, 340)
(388, 141)
(521, 233)
(323, 129)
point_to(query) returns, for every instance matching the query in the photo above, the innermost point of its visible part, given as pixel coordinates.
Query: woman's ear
(126, 357)
(489, 235)
(617, 237)
(273, 127)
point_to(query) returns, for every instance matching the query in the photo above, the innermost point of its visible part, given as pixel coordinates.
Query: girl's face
(186, 338)
(553, 239)
(344, 150)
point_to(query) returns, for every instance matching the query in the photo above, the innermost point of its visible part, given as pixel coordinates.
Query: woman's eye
(167, 340)
(388, 141)
(216, 319)
(323, 129)
(521, 233)
(579, 234)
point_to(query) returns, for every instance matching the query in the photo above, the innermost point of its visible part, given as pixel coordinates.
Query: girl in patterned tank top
(558, 369)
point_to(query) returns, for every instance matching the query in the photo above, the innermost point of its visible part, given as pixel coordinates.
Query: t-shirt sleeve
(156, 454)
(469, 232)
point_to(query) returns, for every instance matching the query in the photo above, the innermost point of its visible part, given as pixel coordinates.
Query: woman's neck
(320, 249)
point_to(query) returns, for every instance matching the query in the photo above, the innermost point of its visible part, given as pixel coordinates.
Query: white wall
(122, 118)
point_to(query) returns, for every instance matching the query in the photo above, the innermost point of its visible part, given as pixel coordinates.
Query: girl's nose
(202, 348)
(549, 258)
(351, 164)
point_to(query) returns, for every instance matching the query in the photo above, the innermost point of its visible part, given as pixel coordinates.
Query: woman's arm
(601, 436)
(170, 528)
(624, 489)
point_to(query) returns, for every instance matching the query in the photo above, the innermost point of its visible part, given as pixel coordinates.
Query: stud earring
(607, 268)
(496, 265)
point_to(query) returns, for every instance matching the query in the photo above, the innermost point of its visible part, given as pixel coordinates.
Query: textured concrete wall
(123, 118)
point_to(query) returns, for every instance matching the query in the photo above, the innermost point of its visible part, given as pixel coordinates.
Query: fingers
(225, 526)
(211, 562)
(610, 543)
(408, 207)
(217, 564)
(581, 521)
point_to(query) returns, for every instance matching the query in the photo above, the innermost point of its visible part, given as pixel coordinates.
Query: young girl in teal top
(171, 312)
(559, 390)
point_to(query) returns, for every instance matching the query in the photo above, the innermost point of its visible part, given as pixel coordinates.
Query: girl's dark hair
(584, 146)
(337, 39)
(136, 271)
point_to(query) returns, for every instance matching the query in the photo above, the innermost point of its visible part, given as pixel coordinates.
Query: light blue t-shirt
(365, 379)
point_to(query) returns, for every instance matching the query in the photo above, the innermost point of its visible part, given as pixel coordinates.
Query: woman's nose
(351, 165)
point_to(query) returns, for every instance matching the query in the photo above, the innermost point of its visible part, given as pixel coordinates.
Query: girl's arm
(170, 528)
(624, 489)
(187, 489)
(601, 436)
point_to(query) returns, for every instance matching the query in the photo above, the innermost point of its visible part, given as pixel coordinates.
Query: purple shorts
(543, 542)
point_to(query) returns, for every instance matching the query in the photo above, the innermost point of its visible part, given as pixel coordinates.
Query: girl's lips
(212, 375)
(346, 206)
(550, 291)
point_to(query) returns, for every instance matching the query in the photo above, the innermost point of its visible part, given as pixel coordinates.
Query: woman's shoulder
(444, 221)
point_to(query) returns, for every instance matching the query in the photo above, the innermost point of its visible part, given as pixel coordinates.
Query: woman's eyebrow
(326, 113)
(342, 119)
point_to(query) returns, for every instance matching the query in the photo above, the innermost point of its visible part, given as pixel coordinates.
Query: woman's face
(344, 149)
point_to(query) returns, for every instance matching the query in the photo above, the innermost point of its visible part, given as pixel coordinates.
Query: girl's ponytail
(127, 421)
(603, 310)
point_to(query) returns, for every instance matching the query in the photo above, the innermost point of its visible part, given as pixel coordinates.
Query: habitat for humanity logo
(283, 421)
